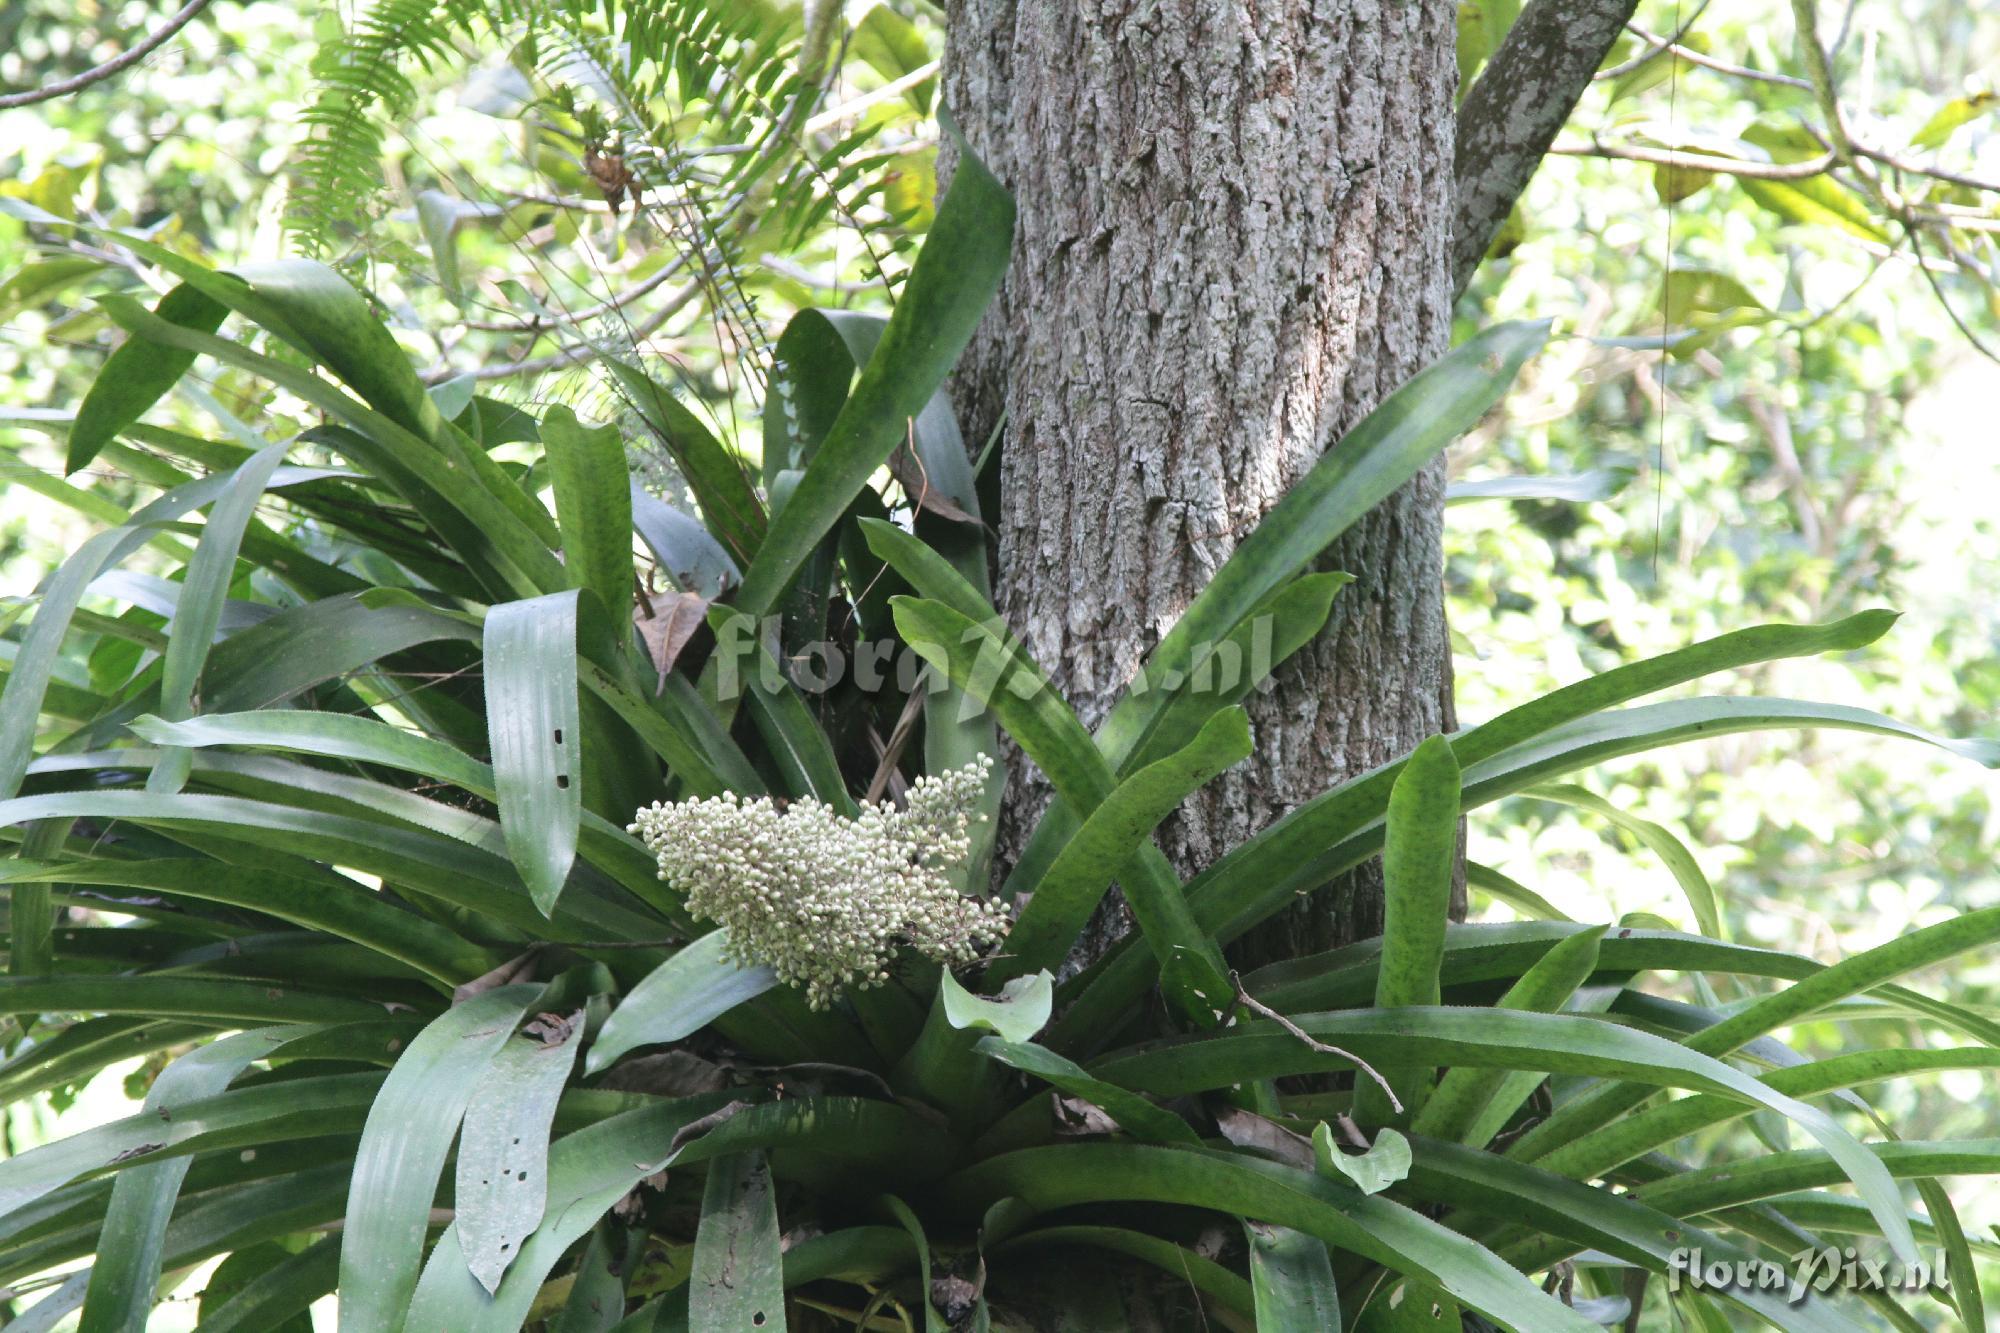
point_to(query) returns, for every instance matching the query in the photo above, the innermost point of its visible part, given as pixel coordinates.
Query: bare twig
(1910, 168)
(573, 353)
(1694, 57)
(892, 750)
(108, 68)
(540, 323)
(1258, 1007)
(1652, 53)
(1727, 166)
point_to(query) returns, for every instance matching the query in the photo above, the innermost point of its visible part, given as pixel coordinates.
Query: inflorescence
(823, 900)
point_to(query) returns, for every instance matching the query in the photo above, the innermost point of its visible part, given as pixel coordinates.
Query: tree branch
(1727, 166)
(1512, 113)
(109, 67)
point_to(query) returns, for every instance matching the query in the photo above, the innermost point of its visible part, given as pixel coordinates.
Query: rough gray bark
(1233, 240)
(1513, 110)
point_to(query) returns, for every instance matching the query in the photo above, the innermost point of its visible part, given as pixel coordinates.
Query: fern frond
(337, 169)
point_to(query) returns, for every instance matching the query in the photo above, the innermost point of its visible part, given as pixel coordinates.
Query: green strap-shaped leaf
(355, 914)
(1851, 976)
(933, 1321)
(1388, 447)
(589, 1171)
(1220, 1285)
(532, 721)
(688, 555)
(34, 662)
(1658, 840)
(483, 518)
(955, 275)
(227, 1001)
(1653, 1128)
(503, 1149)
(1062, 902)
(198, 612)
(275, 1299)
(1291, 1280)
(1472, 1105)
(1420, 842)
(447, 868)
(1583, 1216)
(718, 478)
(738, 1278)
(984, 661)
(1134, 1114)
(125, 1278)
(593, 488)
(1629, 1061)
(403, 1147)
(596, 1299)
(679, 997)
(340, 735)
(245, 1116)
(1514, 894)
(1306, 848)
(1237, 1184)
(137, 375)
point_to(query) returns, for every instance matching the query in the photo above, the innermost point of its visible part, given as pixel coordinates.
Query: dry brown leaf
(694, 1129)
(509, 972)
(670, 1074)
(1075, 1119)
(1247, 1130)
(908, 470)
(666, 621)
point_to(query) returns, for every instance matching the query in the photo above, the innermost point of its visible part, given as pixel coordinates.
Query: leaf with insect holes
(533, 727)
(1371, 1172)
(503, 1146)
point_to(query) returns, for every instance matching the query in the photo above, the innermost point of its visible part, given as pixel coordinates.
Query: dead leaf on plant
(666, 621)
(1247, 1130)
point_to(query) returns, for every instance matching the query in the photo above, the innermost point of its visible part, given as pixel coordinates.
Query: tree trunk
(1233, 241)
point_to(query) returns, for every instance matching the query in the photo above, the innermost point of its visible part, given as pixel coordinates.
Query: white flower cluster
(822, 900)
